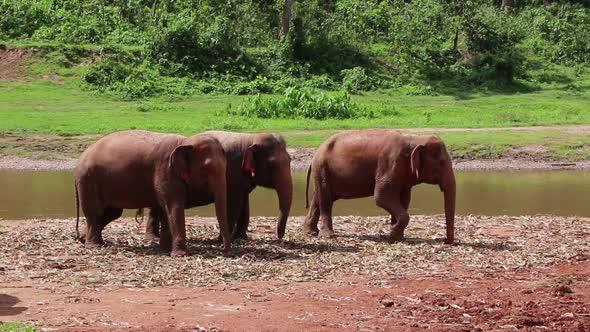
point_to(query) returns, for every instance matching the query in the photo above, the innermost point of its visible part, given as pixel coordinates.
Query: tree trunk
(286, 18)
(507, 5)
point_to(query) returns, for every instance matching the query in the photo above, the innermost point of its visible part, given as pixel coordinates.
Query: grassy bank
(545, 144)
(46, 107)
(46, 111)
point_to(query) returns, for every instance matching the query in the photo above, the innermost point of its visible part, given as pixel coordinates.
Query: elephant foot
(310, 231)
(93, 244)
(82, 238)
(240, 236)
(327, 233)
(179, 253)
(165, 246)
(396, 237)
(149, 237)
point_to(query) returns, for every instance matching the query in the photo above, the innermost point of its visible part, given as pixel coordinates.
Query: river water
(38, 194)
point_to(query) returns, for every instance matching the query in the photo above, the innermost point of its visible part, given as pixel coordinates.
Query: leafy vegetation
(146, 48)
(302, 103)
(44, 107)
(16, 327)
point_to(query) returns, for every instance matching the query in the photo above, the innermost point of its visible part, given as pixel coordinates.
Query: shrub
(323, 82)
(107, 72)
(302, 103)
(492, 36)
(205, 87)
(563, 32)
(417, 90)
(356, 80)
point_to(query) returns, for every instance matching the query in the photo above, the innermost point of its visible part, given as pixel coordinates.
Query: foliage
(356, 79)
(16, 327)
(563, 33)
(180, 48)
(492, 35)
(302, 103)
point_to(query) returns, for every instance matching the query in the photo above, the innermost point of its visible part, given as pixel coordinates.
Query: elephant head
(201, 159)
(431, 163)
(269, 164)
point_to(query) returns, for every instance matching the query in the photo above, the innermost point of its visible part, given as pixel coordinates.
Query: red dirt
(555, 298)
(11, 60)
(505, 273)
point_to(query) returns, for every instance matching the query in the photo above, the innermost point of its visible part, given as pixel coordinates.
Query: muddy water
(34, 194)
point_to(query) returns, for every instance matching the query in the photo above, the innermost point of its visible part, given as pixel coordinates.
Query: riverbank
(301, 158)
(525, 271)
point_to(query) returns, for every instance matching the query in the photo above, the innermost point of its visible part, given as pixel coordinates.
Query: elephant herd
(169, 173)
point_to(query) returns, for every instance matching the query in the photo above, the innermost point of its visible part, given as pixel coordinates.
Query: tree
(286, 18)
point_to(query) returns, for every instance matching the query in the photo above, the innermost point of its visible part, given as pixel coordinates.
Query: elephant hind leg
(242, 222)
(96, 222)
(325, 202)
(155, 219)
(310, 225)
(93, 236)
(111, 214)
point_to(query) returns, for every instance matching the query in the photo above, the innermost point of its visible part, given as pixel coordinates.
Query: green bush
(205, 87)
(233, 47)
(492, 36)
(356, 80)
(107, 72)
(302, 103)
(417, 90)
(563, 32)
(324, 82)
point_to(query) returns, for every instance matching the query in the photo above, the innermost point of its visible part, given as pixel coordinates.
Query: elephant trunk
(284, 188)
(218, 187)
(449, 191)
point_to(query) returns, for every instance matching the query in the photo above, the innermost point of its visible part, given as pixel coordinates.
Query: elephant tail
(307, 187)
(77, 211)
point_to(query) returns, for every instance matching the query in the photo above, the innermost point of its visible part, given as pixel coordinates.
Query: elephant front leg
(177, 231)
(310, 225)
(405, 198)
(397, 229)
(394, 202)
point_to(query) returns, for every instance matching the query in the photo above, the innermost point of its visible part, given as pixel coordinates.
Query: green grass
(16, 327)
(66, 109)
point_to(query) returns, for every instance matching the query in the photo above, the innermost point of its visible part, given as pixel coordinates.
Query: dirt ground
(11, 63)
(528, 273)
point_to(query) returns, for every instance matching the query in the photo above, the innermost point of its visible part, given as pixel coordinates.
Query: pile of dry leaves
(45, 250)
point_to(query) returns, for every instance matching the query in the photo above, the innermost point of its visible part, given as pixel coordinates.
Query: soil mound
(11, 61)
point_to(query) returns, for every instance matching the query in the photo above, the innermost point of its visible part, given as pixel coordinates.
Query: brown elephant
(133, 169)
(252, 160)
(382, 163)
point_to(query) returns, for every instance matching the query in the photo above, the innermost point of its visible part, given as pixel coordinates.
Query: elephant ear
(180, 161)
(415, 160)
(248, 164)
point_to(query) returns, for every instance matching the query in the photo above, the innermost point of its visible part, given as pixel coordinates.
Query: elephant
(382, 163)
(259, 159)
(135, 168)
